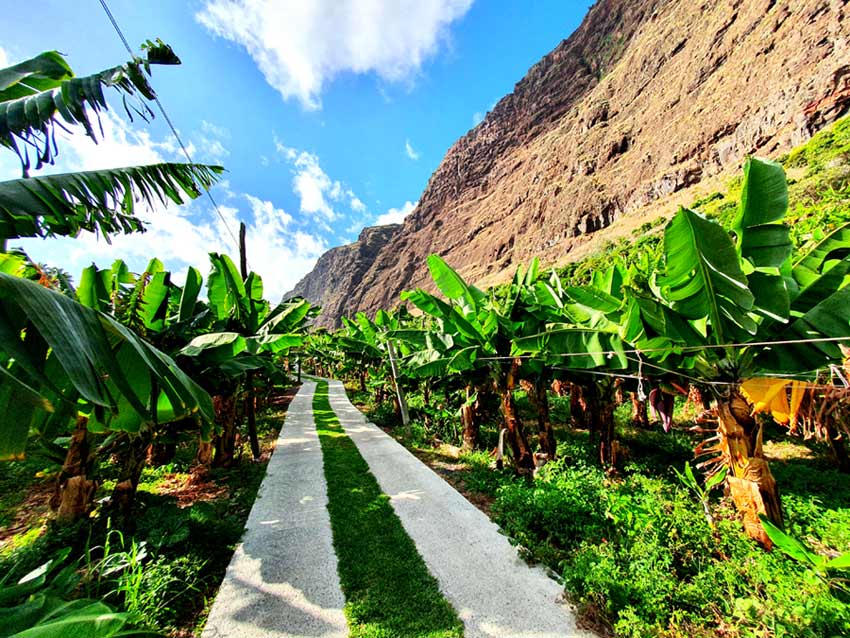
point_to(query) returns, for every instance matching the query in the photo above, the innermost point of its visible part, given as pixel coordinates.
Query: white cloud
(312, 184)
(356, 205)
(4, 58)
(316, 190)
(396, 215)
(411, 152)
(310, 245)
(299, 46)
(216, 131)
(477, 118)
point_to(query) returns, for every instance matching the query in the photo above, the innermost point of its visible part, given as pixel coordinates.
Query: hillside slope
(643, 101)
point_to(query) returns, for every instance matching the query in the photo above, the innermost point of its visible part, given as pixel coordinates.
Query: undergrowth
(167, 569)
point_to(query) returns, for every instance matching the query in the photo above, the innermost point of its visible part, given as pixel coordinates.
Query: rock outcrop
(342, 269)
(643, 100)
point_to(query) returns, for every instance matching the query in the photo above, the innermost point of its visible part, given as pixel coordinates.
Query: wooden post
(250, 408)
(405, 417)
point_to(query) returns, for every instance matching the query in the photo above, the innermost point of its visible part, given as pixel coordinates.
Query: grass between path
(388, 590)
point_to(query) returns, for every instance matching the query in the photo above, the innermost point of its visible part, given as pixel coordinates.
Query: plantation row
(734, 319)
(105, 377)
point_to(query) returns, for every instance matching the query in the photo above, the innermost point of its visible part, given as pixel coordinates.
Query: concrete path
(496, 594)
(283, 580)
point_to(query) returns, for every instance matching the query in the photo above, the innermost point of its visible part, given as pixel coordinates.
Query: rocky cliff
(644, 100)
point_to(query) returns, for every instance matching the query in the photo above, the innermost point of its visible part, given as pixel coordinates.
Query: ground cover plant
(165, 572)
(388, 590)
(635, 551)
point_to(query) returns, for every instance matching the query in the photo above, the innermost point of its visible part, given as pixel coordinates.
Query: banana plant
(167, 316)
(578, 332)
(246, 334)
(40, 94)
(472, 333)
(69, 367)
(739, 303)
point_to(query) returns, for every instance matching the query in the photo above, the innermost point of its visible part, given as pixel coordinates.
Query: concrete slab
(496, 594)
(282, 581)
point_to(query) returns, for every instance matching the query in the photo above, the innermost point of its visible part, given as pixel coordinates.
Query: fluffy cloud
(356, 205)
(181, 236)
(318, 193)
(477, 118)
(4, 58)
(410, 151)
(396, 215)
(299, 46)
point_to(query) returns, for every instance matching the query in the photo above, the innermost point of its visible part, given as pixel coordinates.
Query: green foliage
(637, 554)
(57, 351)
(38, 606)
(102, 201)
(388, 590)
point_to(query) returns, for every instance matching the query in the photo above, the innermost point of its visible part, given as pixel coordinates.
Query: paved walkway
(496, 594)
(283, 580)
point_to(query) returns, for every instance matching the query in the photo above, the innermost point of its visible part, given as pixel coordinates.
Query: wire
(611, 353)
(170, 124)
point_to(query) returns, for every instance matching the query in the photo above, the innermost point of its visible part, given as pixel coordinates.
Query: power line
(168, 120)
(677, 349)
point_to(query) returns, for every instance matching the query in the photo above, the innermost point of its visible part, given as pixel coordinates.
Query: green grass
(389, 592)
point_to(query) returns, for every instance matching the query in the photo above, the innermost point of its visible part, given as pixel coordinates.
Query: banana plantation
(663, 428)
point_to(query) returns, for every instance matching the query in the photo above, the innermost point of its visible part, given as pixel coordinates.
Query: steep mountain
(645, 103)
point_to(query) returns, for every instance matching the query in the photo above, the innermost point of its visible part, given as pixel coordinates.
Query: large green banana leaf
(101, 201)
(763, 239)
(41, 73)
(35, 92)
(228, 297)
(703, 277)
(823, 269)
(49, 341)
(567, 346)
(189, 294)
(829, 319)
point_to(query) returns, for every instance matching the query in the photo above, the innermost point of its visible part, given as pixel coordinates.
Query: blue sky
(329, 115)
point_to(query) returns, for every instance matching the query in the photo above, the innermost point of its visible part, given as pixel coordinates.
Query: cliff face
(342, 269)
(643, 100)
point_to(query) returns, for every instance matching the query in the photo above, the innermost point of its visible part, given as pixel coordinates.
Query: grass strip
(388, 590)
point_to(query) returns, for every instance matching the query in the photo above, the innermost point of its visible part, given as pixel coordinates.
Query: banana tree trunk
(251, 413)
(469, 416)
(837, 446)
(639, 414)
(751, 485)
(545, 433)
(225, 442)
(163, 448)
(608, 445)
(599, 401)
(74, 492)
(523, 458)
(578, 407)
(124, 493)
